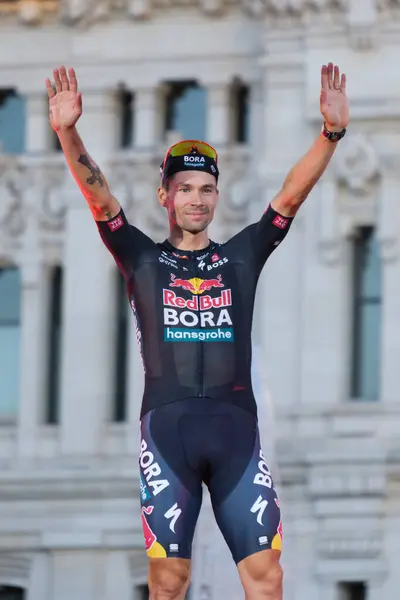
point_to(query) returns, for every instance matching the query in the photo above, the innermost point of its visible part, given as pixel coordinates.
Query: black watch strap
(333, 136)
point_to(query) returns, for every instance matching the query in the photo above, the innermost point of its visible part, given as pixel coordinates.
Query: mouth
(197, 215)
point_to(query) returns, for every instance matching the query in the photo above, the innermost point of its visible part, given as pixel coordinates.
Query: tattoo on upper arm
(93, 168)
(108, 214)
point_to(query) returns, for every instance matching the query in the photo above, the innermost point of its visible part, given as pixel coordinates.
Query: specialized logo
(204, 318)
(173, 514)
(258, 508)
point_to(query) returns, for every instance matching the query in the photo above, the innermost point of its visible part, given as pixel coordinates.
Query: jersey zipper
(200, 353)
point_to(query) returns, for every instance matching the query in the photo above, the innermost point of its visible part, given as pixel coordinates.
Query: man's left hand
(334, 103)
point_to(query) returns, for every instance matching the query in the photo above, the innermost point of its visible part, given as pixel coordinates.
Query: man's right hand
(65, 102)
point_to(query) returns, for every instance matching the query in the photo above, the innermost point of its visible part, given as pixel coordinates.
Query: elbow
(293, 197)
(288, 203)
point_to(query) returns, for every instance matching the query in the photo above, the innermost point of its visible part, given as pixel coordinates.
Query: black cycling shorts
(191, 441)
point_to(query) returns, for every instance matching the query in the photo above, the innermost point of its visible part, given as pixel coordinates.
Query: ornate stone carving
(357, 163)
(386, 5)
(139, 9)
(11, 185)
(53, 207)
(73, 10)
(287, 8)
(29, 12)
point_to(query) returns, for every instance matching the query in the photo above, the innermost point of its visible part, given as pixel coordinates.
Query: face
(190, 200)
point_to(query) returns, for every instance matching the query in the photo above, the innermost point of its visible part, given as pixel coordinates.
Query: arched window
(185, 109)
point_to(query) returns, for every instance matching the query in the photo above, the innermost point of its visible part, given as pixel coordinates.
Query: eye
(185, 189)
(208, 190)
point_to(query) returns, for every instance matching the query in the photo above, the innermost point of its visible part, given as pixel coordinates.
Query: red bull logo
(153, 548)
(277, 541)
(196, 285)
(197, 302)
(149, 536)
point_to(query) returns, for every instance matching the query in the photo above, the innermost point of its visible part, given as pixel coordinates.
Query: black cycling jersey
(194, 309)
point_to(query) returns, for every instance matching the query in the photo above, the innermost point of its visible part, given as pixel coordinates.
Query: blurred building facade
(245, 76)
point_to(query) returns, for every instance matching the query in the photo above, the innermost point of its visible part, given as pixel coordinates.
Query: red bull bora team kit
(193, 312)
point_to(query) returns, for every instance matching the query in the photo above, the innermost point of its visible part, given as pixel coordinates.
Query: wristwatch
(333, 136)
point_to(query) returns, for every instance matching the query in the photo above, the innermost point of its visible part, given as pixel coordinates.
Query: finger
(330, 75)
(57, 81)
(336, 78)
(343, 83)
(50, 90)
(73, 82)
(324, 77)
(64, 79)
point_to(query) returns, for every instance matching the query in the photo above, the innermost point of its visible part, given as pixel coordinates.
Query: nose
(197, 199)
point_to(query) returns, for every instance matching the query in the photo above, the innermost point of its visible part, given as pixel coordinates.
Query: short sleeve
(125, 242)
(268, 233)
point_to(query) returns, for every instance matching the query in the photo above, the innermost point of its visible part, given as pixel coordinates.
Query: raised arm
(65, 105)
(305, 174)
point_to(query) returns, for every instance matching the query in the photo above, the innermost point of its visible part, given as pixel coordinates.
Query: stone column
(38, 129)
(34, 341)
(89, 298)
(40, 578)
(325, 301)
(146, 118)
(217, 130)
(280, 287)
(389, 237)
(118, 582)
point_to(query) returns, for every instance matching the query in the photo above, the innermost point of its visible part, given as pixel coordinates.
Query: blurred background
(245, 76)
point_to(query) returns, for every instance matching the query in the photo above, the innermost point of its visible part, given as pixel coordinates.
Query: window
(121, 354)
(54, 346)
(11, 593)
(12, 122)
(240, 113)
(353, 591)
(10, 320)
(126, 111)
(366, 316)
(185, 110)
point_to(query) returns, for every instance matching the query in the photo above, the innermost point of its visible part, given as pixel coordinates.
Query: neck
(184, 240)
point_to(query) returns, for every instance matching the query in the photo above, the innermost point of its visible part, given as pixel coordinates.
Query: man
(193, 302)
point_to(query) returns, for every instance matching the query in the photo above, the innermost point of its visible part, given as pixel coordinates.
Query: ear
(162, 196)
